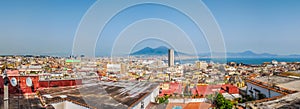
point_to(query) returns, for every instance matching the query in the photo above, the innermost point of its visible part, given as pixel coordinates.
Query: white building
(113, 67)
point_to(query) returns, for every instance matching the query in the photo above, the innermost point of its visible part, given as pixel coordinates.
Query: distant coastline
(244, 60)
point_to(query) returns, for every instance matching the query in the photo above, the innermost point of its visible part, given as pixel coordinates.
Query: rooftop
(291, 101)
(112, 95)
(192, 105)
(293, 85)
(275, 79)
(22, 102)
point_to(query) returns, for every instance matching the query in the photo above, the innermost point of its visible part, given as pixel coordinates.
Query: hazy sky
(49, 26)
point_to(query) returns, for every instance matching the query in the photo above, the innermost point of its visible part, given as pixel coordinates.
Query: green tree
(163, 99)
(220, 100)
(222, 103)
(228, 104)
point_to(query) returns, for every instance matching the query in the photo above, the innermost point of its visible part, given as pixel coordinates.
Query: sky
(49, 26)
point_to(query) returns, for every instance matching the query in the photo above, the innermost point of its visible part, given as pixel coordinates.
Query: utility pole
(6, 83)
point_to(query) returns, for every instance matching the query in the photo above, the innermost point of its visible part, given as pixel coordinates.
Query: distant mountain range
(252, 54)
(241, 54)
(162, 50)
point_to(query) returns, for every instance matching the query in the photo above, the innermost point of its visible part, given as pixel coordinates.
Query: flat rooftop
(111, 95)
(275, 79)
(293, 85)
(291, 101)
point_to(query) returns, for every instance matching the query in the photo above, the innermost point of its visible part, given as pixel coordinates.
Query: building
(204, 89)
(267, 86)
(113, 67)
(236, 80)
(29, 83)
(124, 68)
(201, 65)
(101, 95)
(284, 95)
(171, 58)
(172, 88)
(20, 84)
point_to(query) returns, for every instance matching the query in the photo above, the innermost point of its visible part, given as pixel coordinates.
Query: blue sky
(49, 26)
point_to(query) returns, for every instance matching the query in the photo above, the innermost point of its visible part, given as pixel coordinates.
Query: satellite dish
(13, 81)
(28, 82)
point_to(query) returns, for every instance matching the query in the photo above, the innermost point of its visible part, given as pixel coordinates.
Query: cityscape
(149, 54)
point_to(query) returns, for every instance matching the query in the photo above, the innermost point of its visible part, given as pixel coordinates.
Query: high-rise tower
(171, 58)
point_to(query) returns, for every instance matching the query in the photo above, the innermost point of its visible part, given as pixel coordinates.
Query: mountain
(162, 50)
(294, 55)
(246, 54)
(250, 54)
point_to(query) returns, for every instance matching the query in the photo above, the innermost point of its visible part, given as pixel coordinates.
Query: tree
(222, 103)
(228, 104)
(163, 99)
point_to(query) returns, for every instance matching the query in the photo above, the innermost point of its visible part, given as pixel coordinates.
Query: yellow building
(236, 80)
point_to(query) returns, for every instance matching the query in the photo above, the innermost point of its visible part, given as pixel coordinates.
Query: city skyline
(49, 27)
(149, 54)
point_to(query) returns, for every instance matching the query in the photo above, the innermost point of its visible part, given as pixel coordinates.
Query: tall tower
(171, 58)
